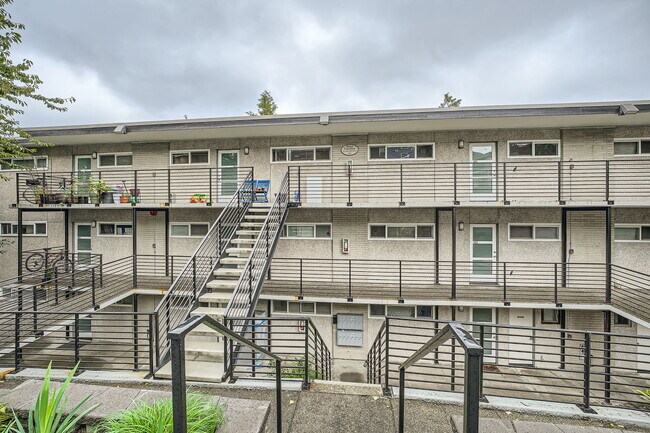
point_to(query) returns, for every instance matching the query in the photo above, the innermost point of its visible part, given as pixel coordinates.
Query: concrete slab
(23, 396)
(244, 415)
(537, 427)
(486, 425)
(110, 400)
(349, 388)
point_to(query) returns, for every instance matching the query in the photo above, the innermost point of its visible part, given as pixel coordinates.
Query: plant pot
(106, 197)
(124, 199)
(116, 197)
(94, 198)
(54, 198)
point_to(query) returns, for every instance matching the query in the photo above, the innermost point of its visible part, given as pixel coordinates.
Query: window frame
(555, 321)
(115, 154)
(535, 226)
(629, 140)
(114, 224)
(288, 150)
(25, 223)
(300, 303)
(189, 157)
(284, 233)
(189, 229)
(534, 143)
(34, 157)
(415, 225)
(415, 145)
(637, 226)
(626, 322)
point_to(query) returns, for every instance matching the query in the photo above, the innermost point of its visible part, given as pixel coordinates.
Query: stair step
(222, 284)
(244, 241)
(228, 272)
(258, 210)
(214, 297)
(255, 217)
(248, 224)
(199, 371)
(247, 232)
(210, 311)
(239, 251)
(205, 350)
(234, 260)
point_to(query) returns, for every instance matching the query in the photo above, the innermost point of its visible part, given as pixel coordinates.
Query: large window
(189, 157)
(533, 232)
(10, 228)
(632, 233)
(533, 148)
(114, 229)
(632, 146)
(307, 231)
(402, 151)
(300, 154)
(189, 230)
(381, 310)
(114, 160)
(36, 163)
(400, 231)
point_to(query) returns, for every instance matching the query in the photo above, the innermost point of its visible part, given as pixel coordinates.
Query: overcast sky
(128, 60)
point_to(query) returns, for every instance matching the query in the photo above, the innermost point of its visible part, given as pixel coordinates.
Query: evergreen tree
(266, 106)
(449, 101)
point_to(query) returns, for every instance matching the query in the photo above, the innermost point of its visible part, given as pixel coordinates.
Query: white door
(483, 172)
(643, 349)
(483, 252)
(227, 174)
(520, 341)
(83, 243)
(485, 315)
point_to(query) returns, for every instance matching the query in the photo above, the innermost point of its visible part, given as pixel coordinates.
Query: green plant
(47, 414)
(295, 371)
(644, 394)
(204, 415)
(100, 186)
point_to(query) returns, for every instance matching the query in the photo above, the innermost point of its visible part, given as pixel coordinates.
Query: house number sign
(349, 149)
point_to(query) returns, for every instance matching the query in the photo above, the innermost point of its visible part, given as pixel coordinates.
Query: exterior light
(93, 224)
(461, 226)
(94, 155)
(324, 120)
(461, 144)
(246, 150)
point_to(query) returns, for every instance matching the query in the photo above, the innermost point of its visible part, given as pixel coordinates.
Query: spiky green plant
(645, 394)
(47, 414)
(204, 415)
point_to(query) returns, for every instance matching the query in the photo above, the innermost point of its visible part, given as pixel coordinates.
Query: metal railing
(630, 291)
(473, 373)
(443, 184)
(168, 186)
(184, 292)
(296, 340)
(569, 366)
(44, 260)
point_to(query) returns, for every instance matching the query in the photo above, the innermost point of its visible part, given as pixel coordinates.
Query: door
(521, 341)
(483, 172)
(483, 252)
(488, 340)
(83, 177)
(228, 161)
(314, 189)
(643, 349)
(83, 243)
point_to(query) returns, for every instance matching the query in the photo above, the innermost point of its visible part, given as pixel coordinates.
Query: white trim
(385, 159)
(289, 148)
(314, 238)
(534, 142)
(189, 229)
(416, 238)
(9, 170)
(116, 154)
(189, 157)
(100, 234)
(478, 277)
(25, 223)
(637, 226)
(637, 140)
(492, 195)
(534, 226)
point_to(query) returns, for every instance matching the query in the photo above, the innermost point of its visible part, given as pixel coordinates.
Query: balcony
(414, 184)
(177, 187)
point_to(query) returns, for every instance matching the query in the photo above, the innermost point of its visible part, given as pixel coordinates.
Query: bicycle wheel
(29, 194)
(35, 262)
(63, 264)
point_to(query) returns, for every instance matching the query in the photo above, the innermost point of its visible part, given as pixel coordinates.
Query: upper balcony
(187, 187)
(414, 184)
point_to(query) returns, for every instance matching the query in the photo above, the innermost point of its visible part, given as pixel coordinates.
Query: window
(402, 151)
(380, 310)
(550, 316)
(400, 311)
(319, 308)
(187, 157)
(377, 310)
(620, 320)
(189, 230)
(279, 306)
(114, 160)
(533, 148)
(29, 229)
(36, 163)
(400, 231)
(632, 233)
(533, 232)
(114, 229)
(424, 311)
(300, 154)
(307, 231)
(634, 146)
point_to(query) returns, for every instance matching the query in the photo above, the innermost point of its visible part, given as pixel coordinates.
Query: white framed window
(10, 228)
(533, 148)
(401, 151)
(189, 230)
(533, 232)
(301, 154)
(33, 162)
(312, 308)
(189, 157)
(550, 316)
(114, 229)
(381, 310)
(621, 320)
(122, 159)
(401, 231)
(631, 146)
(307, 231)
(632, 233)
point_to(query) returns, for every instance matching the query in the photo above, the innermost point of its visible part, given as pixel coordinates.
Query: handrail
(177, 338)
(473, 372)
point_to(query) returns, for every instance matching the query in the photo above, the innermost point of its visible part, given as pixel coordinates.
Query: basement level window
(380, 310)
(400, 231)
(632, 233)
(632, 146)
(533, 148)
(550, 316)
(189, 230)
(314, 308)
(189, 157)
(300, 154)
(307, 231)
(29, 229)
(533, 232)
(402, 151)
(114, 160)
(622, 321)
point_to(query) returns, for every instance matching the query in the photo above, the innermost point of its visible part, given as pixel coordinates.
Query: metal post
(453, 252)
(400, 299)
(559, 182)
(555, 283)
(194, 278)
(349, 172)
(401, 399)
(455, 184)
(473, 386)
(169, 186)
(401, 185)
(20, 245)
(66, 235)
(76, 339)
(210, 186)
(305, 383)
(437, 240)
(179, 397)
(299, 187)
(607, 182)
(505, 286)
(92, 289)
(564, 245)
(562, 314)
(135, 333)
(608, 255)
(300, 295)
(278, 396)
(586, 388)
(350, 280)
(151, 345)
(134, 245)
(505, 190)
(607, 355)
(17, 351)
(387, 359)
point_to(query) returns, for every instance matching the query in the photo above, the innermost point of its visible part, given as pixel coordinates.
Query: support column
(562, 339)
(66, 230)
(134, 245)
(564, 244)
(453, 253)
(607, 361)
(608, 255)
(437, 241)
(167, 244)
(20, 244)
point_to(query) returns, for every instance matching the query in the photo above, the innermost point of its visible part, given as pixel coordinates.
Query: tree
(450, 101)
(266, 106)
(17, 87)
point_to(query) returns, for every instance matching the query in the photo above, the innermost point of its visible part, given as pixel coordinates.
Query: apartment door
(483, 252)
(227, 163)
(480, 316)
(83, 243)
(521, 341)
(643, 350)
(483, 172)
(83, 175)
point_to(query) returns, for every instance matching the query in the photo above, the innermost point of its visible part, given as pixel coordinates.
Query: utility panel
(349, 330)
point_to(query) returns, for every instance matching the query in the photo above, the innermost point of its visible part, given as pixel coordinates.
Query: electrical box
(345, 245)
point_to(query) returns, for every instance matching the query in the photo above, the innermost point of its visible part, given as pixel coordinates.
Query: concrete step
(228, 272)
(255, 217)
(242, 241)
(204, 349)
(257, 210)
(197, 371)
(214, 297)
(222, 284)
(252, 224)
(239, 251)
(212, 312)
(234, 260)
(247, 232)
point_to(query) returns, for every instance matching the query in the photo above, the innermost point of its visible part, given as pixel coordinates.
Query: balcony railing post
(194, 294)
(56, 286)
(587, 372)
(349, 174)
(101, 270)
(387, 359)
(455, 183)
(17, 188)
(17, 351)
(134, 198)
(210, 186)
(305, 383)
(151, 344)
(76, 339)
(555, 284)
(250, 282)
(93, 289)
(400, 299)
(35, 309)
(300, 294)
(505, 286)
(559, 182)
(289, 183)
(505, 189)
(401, 185)
(169, 186)
(607, 182)
(299, 187)
(350, 299)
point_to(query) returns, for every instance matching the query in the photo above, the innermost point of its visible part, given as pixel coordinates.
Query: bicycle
(37, 261)
(37, 192)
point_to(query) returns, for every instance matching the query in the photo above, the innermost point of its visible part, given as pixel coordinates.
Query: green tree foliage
(18, 86)
(449, 101)
(266, 106)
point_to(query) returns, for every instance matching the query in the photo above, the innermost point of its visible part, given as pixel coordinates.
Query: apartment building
(529, 216)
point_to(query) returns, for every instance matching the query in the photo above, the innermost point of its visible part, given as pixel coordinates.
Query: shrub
(645, 394)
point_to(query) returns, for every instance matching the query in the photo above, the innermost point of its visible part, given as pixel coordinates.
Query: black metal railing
(296, 340)
(630, 292)
(168, 186)
(44, 260)
(443, 184)
(181, 297)
(569, 366)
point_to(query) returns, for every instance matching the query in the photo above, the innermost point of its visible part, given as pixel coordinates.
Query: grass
(204, 415)
(295, 371)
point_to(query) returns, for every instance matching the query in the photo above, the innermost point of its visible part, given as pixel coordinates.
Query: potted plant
(118, 191)
(98, 189)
